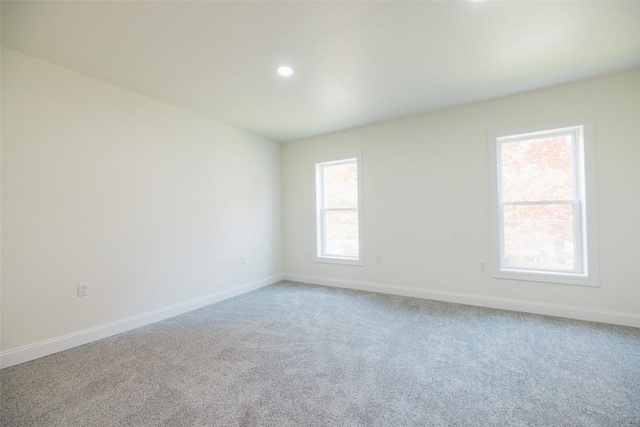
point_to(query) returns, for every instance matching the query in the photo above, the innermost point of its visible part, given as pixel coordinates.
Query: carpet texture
(300, 355)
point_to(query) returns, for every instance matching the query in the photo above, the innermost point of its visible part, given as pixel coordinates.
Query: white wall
(153, 205)
(426, 195)
(150, 204)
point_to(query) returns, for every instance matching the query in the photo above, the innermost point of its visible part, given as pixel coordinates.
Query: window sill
(341, 261)
(538, 276)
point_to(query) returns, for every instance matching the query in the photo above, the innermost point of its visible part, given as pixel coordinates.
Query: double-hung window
(339, 212)
(544, 222)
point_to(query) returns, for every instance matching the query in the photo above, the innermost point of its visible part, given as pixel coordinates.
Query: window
(544, 222)
(339, 212)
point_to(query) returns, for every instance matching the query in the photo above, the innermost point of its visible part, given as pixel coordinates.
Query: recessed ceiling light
(285, 71)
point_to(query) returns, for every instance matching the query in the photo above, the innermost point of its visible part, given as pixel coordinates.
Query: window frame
(583, 201)
(332, 259)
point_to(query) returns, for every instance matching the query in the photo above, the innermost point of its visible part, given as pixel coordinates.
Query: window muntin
(338, 211)
(540, 206)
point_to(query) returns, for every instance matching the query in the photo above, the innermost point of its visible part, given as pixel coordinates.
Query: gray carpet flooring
(300, 355)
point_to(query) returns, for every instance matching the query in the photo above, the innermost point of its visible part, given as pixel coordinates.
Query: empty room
(320, 213)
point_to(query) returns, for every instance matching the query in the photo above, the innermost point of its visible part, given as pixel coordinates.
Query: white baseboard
(579, 313)
(54, 345)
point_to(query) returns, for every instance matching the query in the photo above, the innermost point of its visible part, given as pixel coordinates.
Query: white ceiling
(355, 62)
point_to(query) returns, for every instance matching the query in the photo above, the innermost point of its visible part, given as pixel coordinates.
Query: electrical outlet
(243, 260)
(378, 258)
(83, 289)
(483, 264)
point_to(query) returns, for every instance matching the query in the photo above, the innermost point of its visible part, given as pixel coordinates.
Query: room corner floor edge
(18, 355)
(546, 309)
(51, 346)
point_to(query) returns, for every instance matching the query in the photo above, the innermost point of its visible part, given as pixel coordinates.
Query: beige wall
(150, 204)
(426, 195)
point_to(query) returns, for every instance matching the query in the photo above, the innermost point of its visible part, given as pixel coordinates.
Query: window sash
(323, 234)
(578, 253)
(579, 219)
(321, 213)
(576, 134)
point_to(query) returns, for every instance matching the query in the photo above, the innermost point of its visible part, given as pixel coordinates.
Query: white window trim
(319, 226)
(589, 228)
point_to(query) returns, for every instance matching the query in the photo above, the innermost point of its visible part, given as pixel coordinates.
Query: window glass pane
(340, 185)
(537, 169)
(341, 233)
(539, 237)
